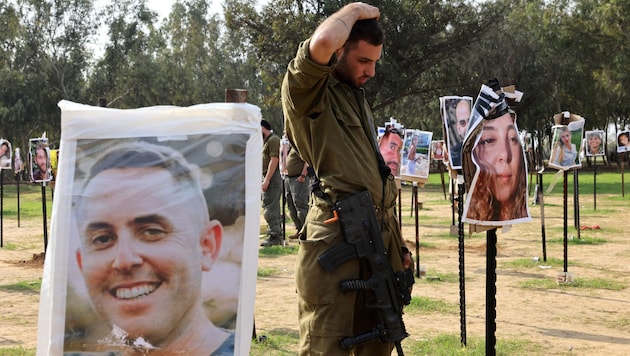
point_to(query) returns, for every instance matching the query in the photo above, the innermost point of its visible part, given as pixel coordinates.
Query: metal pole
(565, 241)
(491, 291)
(594, 182)
(462, 280)
(576, 202)
(415, 194)
(399, 208)
(17, 182)
(441, 165)
(542, 216)
(44, 213)
(1, 207)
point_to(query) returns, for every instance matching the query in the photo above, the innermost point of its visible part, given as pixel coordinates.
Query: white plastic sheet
(102, 268)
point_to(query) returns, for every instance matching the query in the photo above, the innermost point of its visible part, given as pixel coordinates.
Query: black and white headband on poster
(566, 142)
(455, 112)
(493, 151)
(39, 160)
(148, 250)
(390, 141)
(6, 152)
(595, 143)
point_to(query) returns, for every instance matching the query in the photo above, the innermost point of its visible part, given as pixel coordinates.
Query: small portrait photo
(5, 154)
(437, 150)
(39, 153)
(416, 154)
(623, 141)
(566, 146)
(390, 143)
(498, 192)
(595, 143)
(456, 114)
(18, 164)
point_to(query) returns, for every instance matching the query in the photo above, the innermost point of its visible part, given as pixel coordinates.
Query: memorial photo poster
(623, 141)
(6, 154)
(18, 164)
(39, 158)
(566, 145)
(416, 155)
(455, 114)
(595, 143)
(498, 192)
(390, 141)
(437, 150)
(148, 249)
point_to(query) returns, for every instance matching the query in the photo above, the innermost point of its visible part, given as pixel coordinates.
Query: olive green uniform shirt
(271, 148)
(330, 125)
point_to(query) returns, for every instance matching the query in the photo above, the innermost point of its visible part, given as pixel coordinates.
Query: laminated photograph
(437, 150)
(6, 154)
(390, 141)
(498, 193)
(494, 164)
(416, 157)
(594, 144)
(455, 115)
(39, 154)
(148, 253)
(566, 145)
(623, 142)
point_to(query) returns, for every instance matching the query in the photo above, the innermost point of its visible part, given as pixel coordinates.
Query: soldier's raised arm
(331, 34)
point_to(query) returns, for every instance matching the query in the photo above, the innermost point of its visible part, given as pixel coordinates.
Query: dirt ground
(563, 320)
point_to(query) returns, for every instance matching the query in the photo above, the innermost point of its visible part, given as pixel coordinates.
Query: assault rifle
(389, 291)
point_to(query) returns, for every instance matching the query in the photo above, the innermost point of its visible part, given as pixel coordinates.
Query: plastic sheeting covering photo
(148, 253)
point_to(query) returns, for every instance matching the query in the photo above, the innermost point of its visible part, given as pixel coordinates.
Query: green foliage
(450, 344)
(432, 49)
(281, 343)
(17, 351)
(427, 305)
(30, 199)
(23, 286)
(581, 241)
(583, 283)
(266, 272)
(531, 263)
(274, 251)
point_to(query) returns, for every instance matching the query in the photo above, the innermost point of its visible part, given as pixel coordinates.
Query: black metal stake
(284, 208)
(44, 213)
(565, 231)
(594, 182)
(452, 202)
(491, 291)
(623, 184)
(441, 165)
(1, 207)
(462, 280)
(399, 208)
(576, 202)
(542, 215)
(17, 183)
(415, 195)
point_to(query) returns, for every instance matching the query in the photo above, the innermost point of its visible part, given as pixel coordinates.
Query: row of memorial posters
(41, 158)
